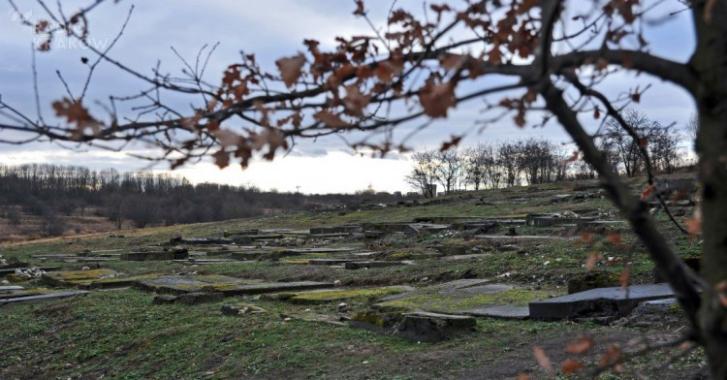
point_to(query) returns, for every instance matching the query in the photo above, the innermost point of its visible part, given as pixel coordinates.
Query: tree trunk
(710, 64)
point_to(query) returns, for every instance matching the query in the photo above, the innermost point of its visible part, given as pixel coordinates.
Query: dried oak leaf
(222, 158)
(571, 366)
(580, 345)
(542, 358)
(436, 99)
(355, 101)
(330, 119)
(290, 68)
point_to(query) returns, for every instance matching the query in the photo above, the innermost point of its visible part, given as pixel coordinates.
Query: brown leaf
(722, 293)
(648, 190)
(592, 260)
(587, 237)
(355, 101)
(222, 158)
(290, 68)
(571, 366)
(614, 238)
(41, 26)
(522, 376)
(542, 358)
(694, 224)
(386, 70)
(580, 345)
(610, 357)
(708, 10)
(436, 99)
(330, 119)
(453, 142)
(360, 10)
(625, 277)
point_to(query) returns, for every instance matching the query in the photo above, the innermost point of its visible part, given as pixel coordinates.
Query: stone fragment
(241, 309)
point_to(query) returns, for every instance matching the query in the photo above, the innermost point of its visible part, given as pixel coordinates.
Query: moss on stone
(452, 303)
(322, 296)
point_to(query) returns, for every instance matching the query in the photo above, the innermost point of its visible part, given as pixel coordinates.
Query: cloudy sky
(270, 29)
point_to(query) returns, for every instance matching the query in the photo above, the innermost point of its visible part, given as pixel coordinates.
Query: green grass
(121, 335)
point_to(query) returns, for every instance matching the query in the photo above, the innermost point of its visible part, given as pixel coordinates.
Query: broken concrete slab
(434, 327)
(192, 298)
(510, 239)
(547, 220)
(331, 261)
(411, 229)
(417, 326)
(175, 284)
(42, 297)
(165, 255)
(328, 295)
(475, 256)
(341, 229)
(616, 301)
(373, 264)
(10, 288)
(478, 297)
(199, 241)
(500, 311)
(267, 287)
(76, 278)
(250, 239)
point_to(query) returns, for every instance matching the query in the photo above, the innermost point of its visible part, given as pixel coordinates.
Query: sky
(271, 29)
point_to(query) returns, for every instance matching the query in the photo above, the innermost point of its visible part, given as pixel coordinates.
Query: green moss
(449, 303)
(343, 294)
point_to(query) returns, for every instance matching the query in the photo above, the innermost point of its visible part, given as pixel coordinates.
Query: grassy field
(120, 334)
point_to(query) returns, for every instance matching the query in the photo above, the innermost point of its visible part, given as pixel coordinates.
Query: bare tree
(448, 169)
(424, 174)
(430, 65)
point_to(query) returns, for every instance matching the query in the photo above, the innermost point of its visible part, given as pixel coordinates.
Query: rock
(241, 309)
(591, 280)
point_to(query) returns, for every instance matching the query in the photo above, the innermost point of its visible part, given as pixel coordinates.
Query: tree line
(53, 191)
(534, 161)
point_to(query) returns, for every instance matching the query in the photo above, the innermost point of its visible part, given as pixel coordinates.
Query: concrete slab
(168, 255)
(612, 301)
(373, 264)
(508, 239)
(500, 311)
(42, 297)
(267, 287)
(173, 284)
(77, 278)
(338, 294)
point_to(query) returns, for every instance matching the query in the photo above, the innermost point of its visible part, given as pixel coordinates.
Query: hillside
(511, 246)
